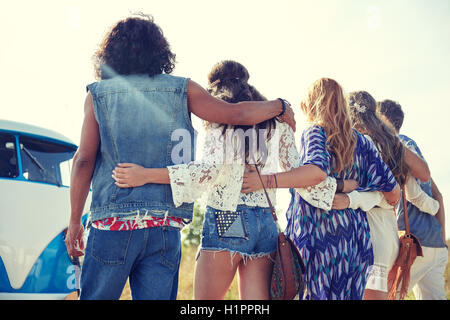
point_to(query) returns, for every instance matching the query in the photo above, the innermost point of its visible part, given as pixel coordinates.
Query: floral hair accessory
(359, 108)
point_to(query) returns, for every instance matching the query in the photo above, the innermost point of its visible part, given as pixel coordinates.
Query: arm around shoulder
(418, 167)
(211, 109)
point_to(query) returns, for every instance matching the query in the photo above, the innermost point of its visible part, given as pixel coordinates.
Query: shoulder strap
(405, 210)
(267, 196)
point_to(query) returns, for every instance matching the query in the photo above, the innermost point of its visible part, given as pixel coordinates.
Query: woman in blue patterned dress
(335, 244)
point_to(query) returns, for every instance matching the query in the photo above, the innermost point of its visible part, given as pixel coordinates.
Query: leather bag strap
(267, 196)
(405, 210)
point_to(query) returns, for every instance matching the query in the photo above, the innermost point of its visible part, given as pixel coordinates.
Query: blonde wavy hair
(326, 106)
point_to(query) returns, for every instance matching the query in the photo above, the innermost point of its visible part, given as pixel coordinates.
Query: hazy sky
(393, 49)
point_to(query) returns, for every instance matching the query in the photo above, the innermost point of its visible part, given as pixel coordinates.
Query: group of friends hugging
(345, 176)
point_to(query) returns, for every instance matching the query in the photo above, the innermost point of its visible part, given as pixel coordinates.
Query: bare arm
(80, 180)
(130, 175)
(301, 177)
(211, 109)
(393, 197)
(417, 166)
(440, 215)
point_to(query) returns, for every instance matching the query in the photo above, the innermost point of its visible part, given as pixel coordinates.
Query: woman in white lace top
(239, 232)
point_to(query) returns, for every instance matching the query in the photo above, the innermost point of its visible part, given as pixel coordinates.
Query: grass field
(185, 288)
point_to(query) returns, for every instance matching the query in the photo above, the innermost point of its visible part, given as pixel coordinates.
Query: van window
(8, 156)
(45, 161)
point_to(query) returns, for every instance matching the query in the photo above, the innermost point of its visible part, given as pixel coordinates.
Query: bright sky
(393, 49)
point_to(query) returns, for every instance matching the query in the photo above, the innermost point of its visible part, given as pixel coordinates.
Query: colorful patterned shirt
(136, 223)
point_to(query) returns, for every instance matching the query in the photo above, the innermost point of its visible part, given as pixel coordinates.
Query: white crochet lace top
(220, 171)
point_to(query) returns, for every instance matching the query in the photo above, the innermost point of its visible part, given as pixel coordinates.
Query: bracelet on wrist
(340, 185)
(270, 181)
(283, 105)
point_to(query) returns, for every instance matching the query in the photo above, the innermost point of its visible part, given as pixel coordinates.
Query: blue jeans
(249, 231)
(150, 257)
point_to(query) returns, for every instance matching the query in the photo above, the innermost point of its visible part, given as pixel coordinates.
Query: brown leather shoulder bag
(287, 279)
(410, 248)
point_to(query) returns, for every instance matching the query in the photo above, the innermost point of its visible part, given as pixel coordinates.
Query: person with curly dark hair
(134, 46)
(136, 113)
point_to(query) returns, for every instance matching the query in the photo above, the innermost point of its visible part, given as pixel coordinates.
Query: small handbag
(287, 279)
(410, 248)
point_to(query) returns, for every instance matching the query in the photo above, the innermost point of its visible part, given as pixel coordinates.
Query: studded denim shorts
(250, 231)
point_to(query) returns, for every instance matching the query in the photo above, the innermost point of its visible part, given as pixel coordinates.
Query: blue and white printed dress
(335, 244)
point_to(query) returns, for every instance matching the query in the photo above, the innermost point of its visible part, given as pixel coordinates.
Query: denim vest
(424, 226)
(140, 119)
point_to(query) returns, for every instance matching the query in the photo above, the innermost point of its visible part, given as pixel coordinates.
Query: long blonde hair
(327, 107)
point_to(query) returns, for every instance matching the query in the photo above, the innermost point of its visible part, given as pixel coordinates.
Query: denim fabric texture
(139, 119)
(249, 231)
(150, 257)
